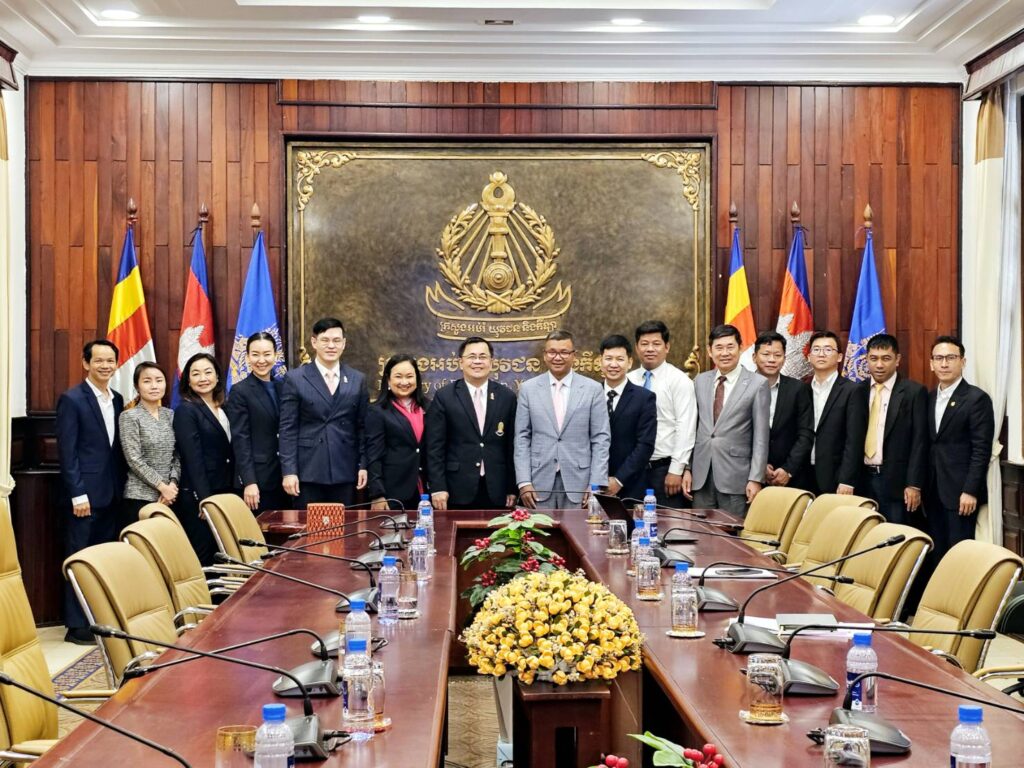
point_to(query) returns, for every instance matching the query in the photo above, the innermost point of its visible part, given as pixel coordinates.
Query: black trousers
(99, 527)
(273, 497)
(946, 526)
(874, 486)
(196, 528)
(656, 472)
(128, 512)
(482, 500)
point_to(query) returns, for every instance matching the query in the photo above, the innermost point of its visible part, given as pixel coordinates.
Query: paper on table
(733, 572)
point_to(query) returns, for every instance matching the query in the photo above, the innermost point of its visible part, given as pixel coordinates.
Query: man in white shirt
(677, 412)
(92, 467)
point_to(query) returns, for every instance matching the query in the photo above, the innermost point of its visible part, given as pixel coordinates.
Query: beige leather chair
(230, 520)
(882, 578)
(968, 590)
(158, 509)
(117, 587)
(814, 517)
(839, 535)
(775, 514)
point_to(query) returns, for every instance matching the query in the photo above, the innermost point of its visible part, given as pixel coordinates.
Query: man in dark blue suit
(323, 414)
(92, 467)
(633, 414)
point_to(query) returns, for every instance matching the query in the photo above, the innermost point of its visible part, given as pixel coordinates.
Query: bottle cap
(970, 713)
(273, 713)
(419, 532)
(359, 646)
(358, 605)
(644, 541)
(424, 497)
(862, 638)
(389, 560)
(683, 567)
(594, 486)
(649, 492)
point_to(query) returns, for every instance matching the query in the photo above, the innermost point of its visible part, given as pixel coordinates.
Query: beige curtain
(6, 315)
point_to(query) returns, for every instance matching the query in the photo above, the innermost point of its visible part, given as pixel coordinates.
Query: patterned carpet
(472, 722)
(83, 675)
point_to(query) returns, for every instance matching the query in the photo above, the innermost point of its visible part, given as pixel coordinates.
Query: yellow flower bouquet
(556, 626)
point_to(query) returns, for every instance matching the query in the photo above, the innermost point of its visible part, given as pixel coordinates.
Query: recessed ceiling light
(627, 22)
(374, 19)
(499, 22)
(119, 14)
(876, 20)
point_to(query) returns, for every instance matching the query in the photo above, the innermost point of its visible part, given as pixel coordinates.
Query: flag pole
(794, 216)
(869, 216)
(133, 213)
(254, 217)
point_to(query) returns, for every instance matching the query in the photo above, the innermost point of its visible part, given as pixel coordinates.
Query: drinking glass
(764, 690)
(408, 594)
(618, 539)
(381, 722)
(235, 746)
(847, 745)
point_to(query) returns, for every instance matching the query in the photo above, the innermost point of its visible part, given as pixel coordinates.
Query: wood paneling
(173, 145)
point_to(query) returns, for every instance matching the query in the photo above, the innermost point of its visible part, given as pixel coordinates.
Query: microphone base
(709, 599)
(885, 738)
(668, 557)
(401, 523)
(372, 560)
(319, 677)
(803, 679)
(678, 538)
(392, 541)
(747, 638)
(369, 595)
(309, 738)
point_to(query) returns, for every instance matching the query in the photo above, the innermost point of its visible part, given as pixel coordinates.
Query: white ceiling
(929, 40)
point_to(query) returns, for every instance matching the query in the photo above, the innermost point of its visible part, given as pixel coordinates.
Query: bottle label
(856, 690)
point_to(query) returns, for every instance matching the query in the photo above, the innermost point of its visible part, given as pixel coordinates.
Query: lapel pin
(952, 403)
(500, 432)
(344, 379)
(492, 396)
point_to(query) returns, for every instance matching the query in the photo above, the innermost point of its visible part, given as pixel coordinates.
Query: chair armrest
(1009, 670)
(34, 748)
(87, 695)
(947, 656)
(823, 588)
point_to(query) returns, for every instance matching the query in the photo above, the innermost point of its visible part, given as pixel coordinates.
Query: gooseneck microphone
(306, 730)
(6, 679)
(369, 594)
(743, 638)
(373, 559)
(221, 557)
(887, 739)
(690, 514)
(696, 532)
(709, 599)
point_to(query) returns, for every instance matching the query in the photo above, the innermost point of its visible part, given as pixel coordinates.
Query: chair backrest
(167, 549)
(967, 591)
(158, 509)
(230, 520)
(882, 578)
(815, 515)
(839, 535)
(118, 588)
(22, 717)
(775, 514)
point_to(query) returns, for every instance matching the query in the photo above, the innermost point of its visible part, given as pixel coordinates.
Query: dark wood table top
(182, 707)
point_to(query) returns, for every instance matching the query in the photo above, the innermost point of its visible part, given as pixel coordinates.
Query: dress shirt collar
(730, 377)
(888, 383)
(618, 389)
(566, 380)
(827, 384)
(482, 389)
(106, 397)
(946, 392)
(336, 370)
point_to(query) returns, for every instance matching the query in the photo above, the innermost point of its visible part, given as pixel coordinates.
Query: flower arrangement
(514, 549)
(558, 625)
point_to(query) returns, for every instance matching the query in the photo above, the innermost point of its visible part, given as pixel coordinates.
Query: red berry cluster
(520, 515)
(488, 578)
(558, 560)
(483, 543)
(531, 564)
(616, 762)
(528, 536)
(706, 758)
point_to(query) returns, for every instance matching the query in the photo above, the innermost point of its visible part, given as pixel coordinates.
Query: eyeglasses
(332, 342)
(945, 358)
(558, 353)
(823, 350)
(476, 358)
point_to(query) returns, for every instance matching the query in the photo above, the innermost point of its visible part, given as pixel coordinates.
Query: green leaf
(667, 758)
(537, 547)
(499, 520)
(664, 745)
(539, 518)
(514, 525)
(496, 548)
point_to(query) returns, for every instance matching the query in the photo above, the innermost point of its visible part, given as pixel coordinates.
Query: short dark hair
(824, 335)
(560, 334)
(475, 340)
(385, 397)
(724, 331)
(87, 349)
(326, 323)
(185, 389)
(616, 341)
(764, 338)
(260, 336)
(950, 340)
(883, 341)
(651, 326)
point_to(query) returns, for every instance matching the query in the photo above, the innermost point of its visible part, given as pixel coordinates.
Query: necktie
(719, 398)
(647, 380)
(332, 381)
(478, 405)
(871, 439)
(612, 394)
(559, 402)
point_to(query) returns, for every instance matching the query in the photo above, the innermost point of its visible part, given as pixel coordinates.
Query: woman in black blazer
(254, 410)
(394, 437)
(203, 435)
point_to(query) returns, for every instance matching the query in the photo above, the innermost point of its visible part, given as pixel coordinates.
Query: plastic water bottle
(595, 514)
(357, 692)
(862, 658)
(387, 589)
(357, 624)
(651, 520)
(634, 541)
(419, 560)
(275, 745)
(426, 521)
(969, 744)
(648, 572)
(684, 600)
(650, 498)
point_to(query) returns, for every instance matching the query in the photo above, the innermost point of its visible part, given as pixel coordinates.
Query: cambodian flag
(796, 322)
(737, 304)
(129, 323)
(197, 314)
(868, 317)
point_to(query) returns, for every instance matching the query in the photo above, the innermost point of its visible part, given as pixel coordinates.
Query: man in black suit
(961, 426)
(323, 417)
(469, 434)
(791, 416)
(896, 437)
(633, 413)
(839, 425)
(92, 467)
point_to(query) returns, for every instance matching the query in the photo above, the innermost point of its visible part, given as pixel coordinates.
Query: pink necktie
(559, 403)
(332, 381)
(478, 404)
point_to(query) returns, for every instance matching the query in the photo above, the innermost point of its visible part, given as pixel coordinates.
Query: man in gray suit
(562, 432)
(731, 450)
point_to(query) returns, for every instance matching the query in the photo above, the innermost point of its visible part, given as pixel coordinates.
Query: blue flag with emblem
(257, 312)
(868, 316)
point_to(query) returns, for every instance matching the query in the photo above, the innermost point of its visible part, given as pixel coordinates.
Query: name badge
(500, 431)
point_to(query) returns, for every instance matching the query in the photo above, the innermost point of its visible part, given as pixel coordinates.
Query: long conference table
(691, 690)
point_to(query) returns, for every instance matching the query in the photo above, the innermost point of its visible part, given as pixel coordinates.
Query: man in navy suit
(633, 413)
(92, 467)
(323, 413)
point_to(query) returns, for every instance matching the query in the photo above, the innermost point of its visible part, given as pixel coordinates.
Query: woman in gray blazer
(147, 440)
